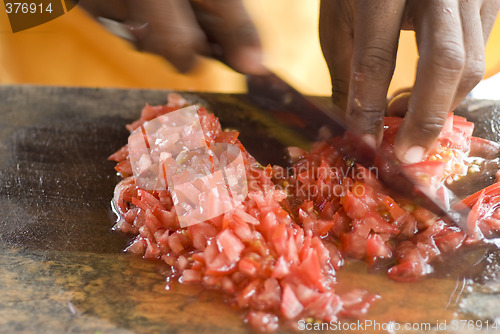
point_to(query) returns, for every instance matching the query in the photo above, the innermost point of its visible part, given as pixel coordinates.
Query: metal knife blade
(272, 93)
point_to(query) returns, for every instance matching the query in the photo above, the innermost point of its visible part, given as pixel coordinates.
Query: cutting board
(63, 270)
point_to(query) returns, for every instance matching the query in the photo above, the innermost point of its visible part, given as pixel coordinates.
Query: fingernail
(139, 30)
(117, 28)
(369, 140)
(414, 154)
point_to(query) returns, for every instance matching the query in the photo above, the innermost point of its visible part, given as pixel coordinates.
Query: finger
(336, 37)
(229, 26)
(376, 35)
(439, 68)
(475, 67)
(173, 31)
(489, 12)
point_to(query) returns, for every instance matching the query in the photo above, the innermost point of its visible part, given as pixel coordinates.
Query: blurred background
(73, 50)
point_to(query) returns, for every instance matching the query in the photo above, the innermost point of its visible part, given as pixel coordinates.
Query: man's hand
(180, 30)
(359, 39)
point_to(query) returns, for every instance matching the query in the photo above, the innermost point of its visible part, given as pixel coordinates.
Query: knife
(272, 93)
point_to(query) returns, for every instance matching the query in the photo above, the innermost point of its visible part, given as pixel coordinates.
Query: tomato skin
(483, 219)
(491, 190)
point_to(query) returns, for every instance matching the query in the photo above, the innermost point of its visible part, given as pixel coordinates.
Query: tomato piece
(341, 223)
(376, 247)
(229, 137)
(263, 321)
(354, 244)
(405, 272)
(393, 208)
(310, 268)
(450, 241)
(200, 234)
(448, 124)
(354, 206)
(230, 245)
(290, 305)
(484, 148)
(491, 190)
(279, 239)
(175, 244)
(249, 266)
(325, 306)
(191, 276)
(119, 155)
(375, 223)
(426, 172)
(220, 266)
(281, 269)
(245, 295)
(411, 265)
(466, 127)
(456, 139)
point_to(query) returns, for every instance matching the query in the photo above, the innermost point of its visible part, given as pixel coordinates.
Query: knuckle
(377, 61)
(430, 126)
(340, 86)
(474, 71)
(340, 91)
(448, 57)
(366, 120)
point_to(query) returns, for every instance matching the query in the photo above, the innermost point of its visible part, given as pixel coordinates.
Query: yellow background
(73, 50)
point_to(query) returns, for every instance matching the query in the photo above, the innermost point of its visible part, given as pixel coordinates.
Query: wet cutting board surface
(62, 269)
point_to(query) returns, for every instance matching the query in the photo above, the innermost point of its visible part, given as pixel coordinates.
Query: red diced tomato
(290, 305)
(230, 245)
(281, 269)
(277, 252)
(376, 247)
(262, 321)
(248, 266)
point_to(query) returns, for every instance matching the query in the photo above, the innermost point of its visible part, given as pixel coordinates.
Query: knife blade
(272, 93)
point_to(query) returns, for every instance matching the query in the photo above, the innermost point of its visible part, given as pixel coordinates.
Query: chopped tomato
(276, 253)
(376, 247)
(230, 245)
(290, 305)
